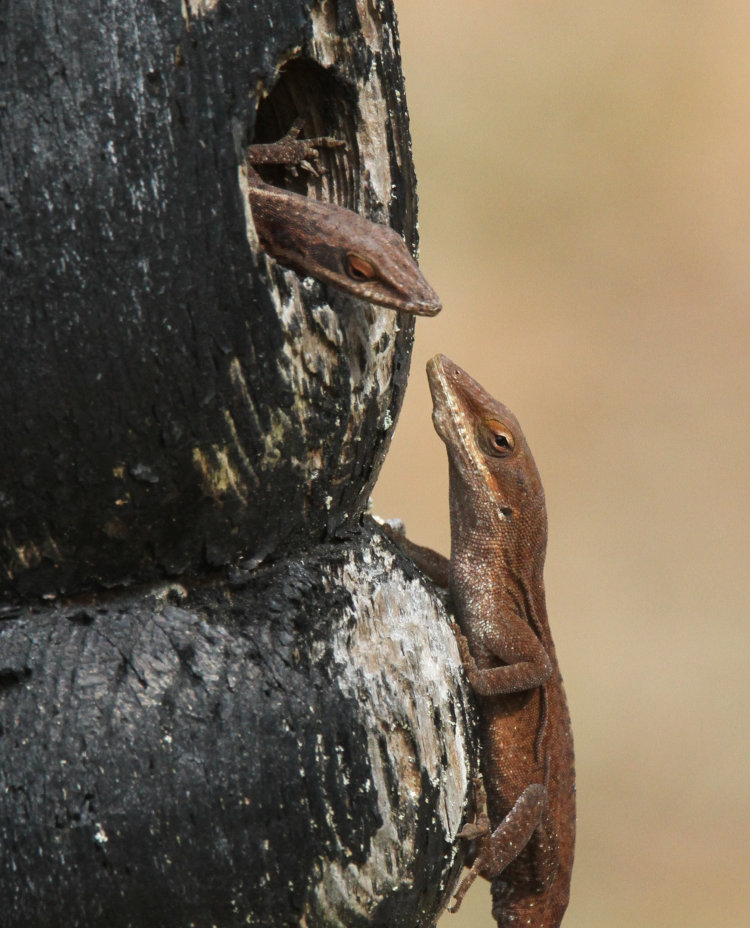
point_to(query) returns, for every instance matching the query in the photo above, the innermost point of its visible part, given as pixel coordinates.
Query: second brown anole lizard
(525, 836)
(328, 242)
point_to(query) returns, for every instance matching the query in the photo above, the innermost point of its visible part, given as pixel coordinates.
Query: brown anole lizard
(525, 837)
(328, 242)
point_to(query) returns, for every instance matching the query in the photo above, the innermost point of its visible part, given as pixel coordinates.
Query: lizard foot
(294, 152)
(472, 831)
(498, 848)
(463, 649)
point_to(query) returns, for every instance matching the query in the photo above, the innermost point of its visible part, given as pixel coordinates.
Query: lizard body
(335, 245)
(524, 841)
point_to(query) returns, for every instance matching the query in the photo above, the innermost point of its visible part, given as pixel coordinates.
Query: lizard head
(487, 450)
(341, 248)
(371, 261)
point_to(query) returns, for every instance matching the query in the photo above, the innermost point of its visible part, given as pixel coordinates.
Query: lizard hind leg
(498, 849)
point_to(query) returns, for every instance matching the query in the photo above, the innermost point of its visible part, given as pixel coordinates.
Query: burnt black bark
(224, 698)
(167, 399)
(251, 750)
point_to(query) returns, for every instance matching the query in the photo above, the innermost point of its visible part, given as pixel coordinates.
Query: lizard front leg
(293, 151)
(527, 664)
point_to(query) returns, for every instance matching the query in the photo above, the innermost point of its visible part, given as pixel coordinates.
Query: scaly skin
(335, 245)
(498, 545)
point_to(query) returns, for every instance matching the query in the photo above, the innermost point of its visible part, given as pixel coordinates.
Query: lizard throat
(449, 417)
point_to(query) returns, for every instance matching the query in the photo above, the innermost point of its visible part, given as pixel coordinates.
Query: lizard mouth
(452, 390)
(444, 411)
(428, 305)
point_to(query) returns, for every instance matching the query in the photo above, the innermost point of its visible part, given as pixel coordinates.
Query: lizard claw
(480, 827)
(307, 166)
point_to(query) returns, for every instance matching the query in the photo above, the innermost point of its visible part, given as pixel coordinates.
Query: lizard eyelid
(359, 268)
(496, 439)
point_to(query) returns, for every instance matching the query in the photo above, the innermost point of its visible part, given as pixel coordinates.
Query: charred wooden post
(224, 698)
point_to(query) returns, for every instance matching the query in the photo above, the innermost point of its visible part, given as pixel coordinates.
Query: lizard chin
(442, 401)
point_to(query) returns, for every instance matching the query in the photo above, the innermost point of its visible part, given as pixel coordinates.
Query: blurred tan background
(584, 182)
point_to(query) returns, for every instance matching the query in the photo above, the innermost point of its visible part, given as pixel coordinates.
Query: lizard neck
(497, 551)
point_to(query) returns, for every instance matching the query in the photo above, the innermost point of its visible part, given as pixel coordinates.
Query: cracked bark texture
(225, 699)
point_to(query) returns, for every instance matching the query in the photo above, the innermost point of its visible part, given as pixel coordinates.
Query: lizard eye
(358, 268)
(496, 439)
